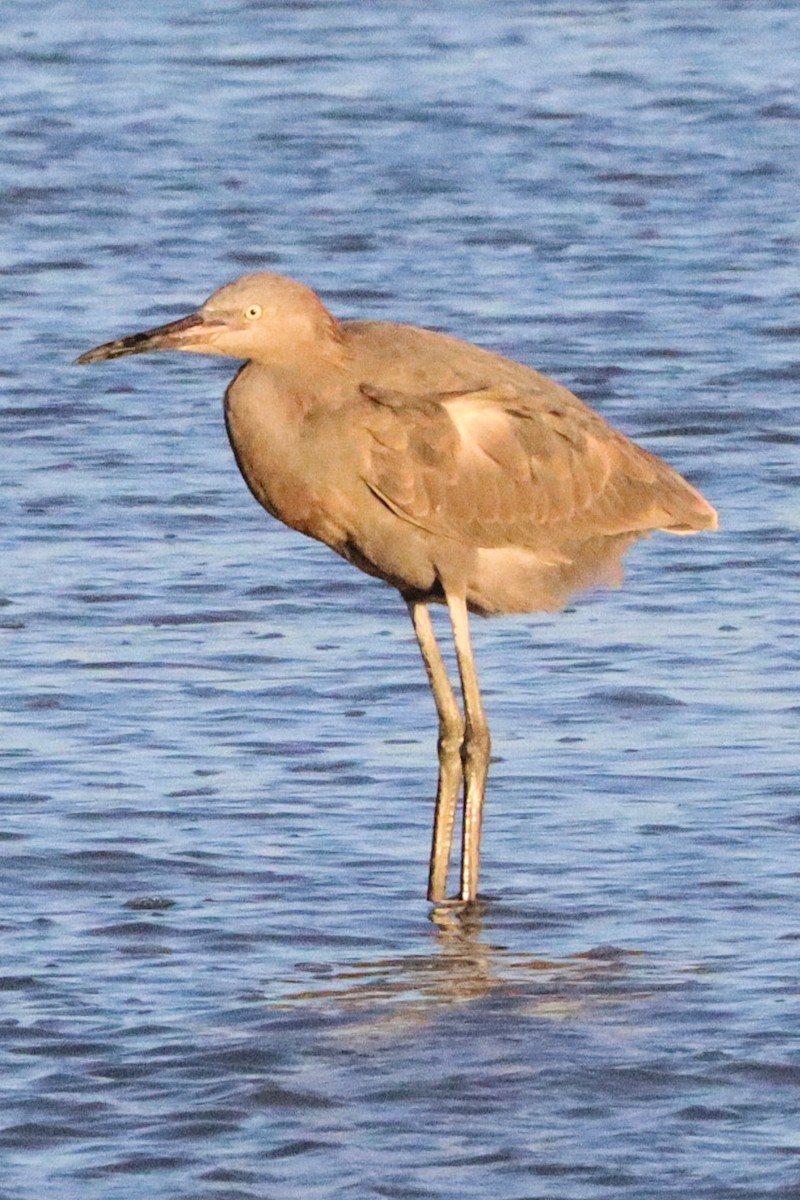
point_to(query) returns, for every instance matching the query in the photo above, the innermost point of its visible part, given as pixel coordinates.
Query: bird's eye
(253, 312)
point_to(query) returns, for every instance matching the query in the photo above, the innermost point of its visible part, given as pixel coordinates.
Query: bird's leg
(475, 750)
(451, 735)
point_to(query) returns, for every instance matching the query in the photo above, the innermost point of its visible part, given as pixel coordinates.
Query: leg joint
(451, 732)
(477, 739)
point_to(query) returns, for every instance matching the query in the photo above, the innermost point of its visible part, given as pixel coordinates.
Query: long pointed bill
(185, 334)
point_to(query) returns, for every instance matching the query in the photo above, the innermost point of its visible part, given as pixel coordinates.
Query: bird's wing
(499, 466)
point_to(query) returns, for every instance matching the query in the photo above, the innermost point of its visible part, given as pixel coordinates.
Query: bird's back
(419, 361)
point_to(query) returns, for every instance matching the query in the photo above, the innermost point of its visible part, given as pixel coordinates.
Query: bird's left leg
(475, 750)
(451, 735)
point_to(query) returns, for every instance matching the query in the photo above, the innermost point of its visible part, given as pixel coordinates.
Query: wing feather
(496, 467)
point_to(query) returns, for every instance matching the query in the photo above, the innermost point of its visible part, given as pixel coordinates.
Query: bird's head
(262, 317)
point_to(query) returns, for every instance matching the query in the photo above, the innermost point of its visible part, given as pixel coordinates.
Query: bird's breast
(295, 476)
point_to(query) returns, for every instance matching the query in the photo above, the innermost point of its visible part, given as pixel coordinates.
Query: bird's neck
(305, 378)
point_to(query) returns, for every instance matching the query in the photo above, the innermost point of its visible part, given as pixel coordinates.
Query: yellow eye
(253, 312)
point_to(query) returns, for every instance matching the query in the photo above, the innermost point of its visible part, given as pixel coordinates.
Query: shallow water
(219, 977)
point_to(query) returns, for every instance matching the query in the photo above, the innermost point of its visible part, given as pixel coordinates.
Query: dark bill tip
(165, 337)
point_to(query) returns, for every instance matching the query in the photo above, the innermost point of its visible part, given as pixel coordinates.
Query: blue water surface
(219, 977)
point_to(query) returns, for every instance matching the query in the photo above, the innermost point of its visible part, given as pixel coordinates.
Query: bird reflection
(467, 968)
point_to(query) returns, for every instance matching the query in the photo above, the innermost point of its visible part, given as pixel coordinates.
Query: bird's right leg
(451, 736)
(476, 750)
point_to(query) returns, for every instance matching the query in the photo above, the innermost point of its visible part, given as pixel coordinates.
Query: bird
(456, 475)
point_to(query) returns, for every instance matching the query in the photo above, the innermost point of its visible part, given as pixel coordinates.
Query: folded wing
(498, 467)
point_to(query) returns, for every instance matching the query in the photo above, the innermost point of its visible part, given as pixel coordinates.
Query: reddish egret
(456, 475)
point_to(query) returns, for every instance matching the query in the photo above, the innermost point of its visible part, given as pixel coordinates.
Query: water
(219, 977)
